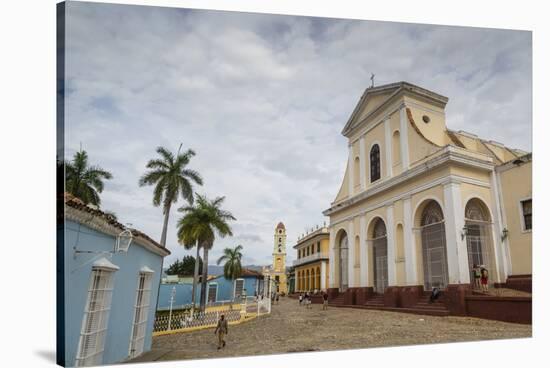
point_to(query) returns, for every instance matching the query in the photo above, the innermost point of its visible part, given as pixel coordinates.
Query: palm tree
(84, 181)
(232, 267)
(193, 232)
(200, 224)
(171, 178)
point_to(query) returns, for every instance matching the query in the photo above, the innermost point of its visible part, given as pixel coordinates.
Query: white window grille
(526, 214)
(434, 250)
(96, 314)
(239, 286)
(212, 292)
(141, 312)
(380, 255)
(343, 266)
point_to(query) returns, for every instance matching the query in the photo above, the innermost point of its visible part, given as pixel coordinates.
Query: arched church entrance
(380, 256)
(434, 251)
(343, 261)
(478, 237)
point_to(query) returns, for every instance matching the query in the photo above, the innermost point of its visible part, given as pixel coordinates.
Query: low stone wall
(507, 309)
(519, 282)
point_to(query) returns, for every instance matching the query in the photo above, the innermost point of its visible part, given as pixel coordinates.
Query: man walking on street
(325, 301)
(221, 331)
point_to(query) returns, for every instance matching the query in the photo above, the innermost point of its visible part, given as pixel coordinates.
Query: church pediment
(374, 98)
(371, 100)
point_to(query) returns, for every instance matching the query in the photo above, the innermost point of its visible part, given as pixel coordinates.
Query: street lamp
(504, 234)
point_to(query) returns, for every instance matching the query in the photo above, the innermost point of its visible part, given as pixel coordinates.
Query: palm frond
(167, 155)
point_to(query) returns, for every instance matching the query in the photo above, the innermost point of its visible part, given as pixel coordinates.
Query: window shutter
(141, 312)
(96, 318)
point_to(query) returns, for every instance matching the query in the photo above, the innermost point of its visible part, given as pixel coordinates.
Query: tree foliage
(200, 224)
(232, 267)
(85, 181)
(171, 179)
(185, 267)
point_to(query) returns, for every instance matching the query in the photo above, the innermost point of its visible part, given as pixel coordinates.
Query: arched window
(478, 237)
(396, 148)
(434, 251)
(374, 163)
(380, 256)
(343, 261)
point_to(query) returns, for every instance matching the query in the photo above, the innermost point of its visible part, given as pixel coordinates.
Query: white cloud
(262, 100)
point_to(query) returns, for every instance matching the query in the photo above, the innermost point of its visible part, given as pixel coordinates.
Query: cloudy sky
(262, 100)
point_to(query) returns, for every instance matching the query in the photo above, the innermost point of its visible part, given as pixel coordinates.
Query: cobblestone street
(291, 328)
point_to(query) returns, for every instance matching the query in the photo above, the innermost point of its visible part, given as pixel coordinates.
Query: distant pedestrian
(308, 301)
(325, 301)
(476, 273)
(484, 279)
(221, 331)
(277, 298)
(434, 295)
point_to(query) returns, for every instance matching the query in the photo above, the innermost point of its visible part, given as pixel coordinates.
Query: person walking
(221, 331)
(300, 298)
(325, 300)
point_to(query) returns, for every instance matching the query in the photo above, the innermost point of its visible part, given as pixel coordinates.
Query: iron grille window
(526, 207)
(239, 286)
(374, 163)
(96, 318)
(212, 292)
(141, 312)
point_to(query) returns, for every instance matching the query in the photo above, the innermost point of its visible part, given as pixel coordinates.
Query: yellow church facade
(420, 205)
(311, 267)
(276, 273)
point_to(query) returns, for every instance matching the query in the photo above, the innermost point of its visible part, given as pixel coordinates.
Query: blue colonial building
(219, 289)
(110, 280)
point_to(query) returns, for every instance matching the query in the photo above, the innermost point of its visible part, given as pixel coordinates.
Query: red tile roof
(249, 272)
(76, 203)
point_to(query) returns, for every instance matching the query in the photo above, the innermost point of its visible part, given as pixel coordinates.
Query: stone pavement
(292, 328)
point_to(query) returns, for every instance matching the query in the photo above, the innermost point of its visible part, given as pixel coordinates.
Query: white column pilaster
(390, 237)
(351, 254)
(502, 248)
(363, 252)
(323, 275)
(409, 244)
(332, 258)
(351, 173)
(496, 229)
(387, 144)
(457, 254)
(404, 136)
(362, 161)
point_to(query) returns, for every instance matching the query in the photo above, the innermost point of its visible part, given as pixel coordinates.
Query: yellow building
(420, 204)
(277, 271)
(311, 266)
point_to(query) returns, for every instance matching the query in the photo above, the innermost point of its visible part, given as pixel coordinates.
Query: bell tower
(279, 248)
(278, 268)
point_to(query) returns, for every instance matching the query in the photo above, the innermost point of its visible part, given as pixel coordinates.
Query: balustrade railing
(188, 319)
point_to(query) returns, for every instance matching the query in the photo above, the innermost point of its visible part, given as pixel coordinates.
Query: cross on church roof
(372, 80)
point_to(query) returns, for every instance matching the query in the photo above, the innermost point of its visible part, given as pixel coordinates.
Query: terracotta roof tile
(77, 203)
